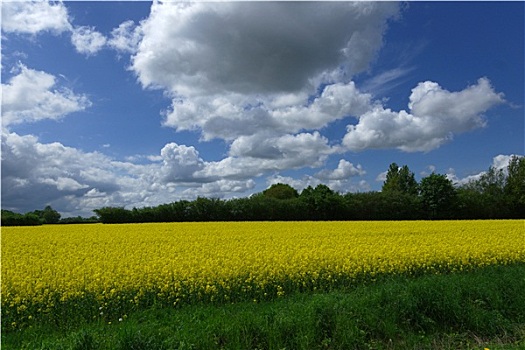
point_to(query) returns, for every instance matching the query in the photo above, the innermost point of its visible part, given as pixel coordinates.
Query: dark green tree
(400, 180)
(281, 191)
(514, 187)
(322, 203)
(438, 196)
(485, 197)
(50, 215)
(10, 218)
(114, 215)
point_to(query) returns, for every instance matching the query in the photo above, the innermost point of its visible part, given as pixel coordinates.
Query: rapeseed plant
(106, 271)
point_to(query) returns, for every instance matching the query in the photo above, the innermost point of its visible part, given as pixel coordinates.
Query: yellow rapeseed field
(107, 271)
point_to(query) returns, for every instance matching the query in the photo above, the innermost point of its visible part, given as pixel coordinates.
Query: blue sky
(139, 103)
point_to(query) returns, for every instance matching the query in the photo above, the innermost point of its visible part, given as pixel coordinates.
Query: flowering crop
(56, 272)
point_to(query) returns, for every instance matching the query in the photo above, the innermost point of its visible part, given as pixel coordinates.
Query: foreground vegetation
(479, 309)
(69, 274)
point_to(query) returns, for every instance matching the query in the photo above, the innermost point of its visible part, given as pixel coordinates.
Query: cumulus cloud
(266, 77)
(87, 40)
(434, 116)
(339, 179)
(254, 155)
(32, 17)
(126, 37)
(74, 182)
(344, 170)
(502, 161)
(33, 95)
(209, 48)
(180, 162)
(256, 73)
(40, 174)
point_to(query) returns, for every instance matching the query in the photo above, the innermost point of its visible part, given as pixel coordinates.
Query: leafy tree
(485, 196)
(79, 220)
(322, 203)
(438, 195)
(281, 191)
(514, 187)
(400, 180)
(114, 215)
(206, 209)
(49, 215)
(10, 218)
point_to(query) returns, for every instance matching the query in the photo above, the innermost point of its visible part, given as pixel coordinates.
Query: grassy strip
(474, 310)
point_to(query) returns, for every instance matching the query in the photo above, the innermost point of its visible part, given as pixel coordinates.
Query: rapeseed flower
(110, 270)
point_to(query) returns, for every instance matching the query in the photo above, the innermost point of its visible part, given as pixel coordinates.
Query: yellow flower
(179, 263)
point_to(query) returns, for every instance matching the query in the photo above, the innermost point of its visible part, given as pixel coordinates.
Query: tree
(438, 195)
(281, 191)
(322, 203)
(514, 187)
(400, 180)
(10, 218)
(114, 215)
(50, 215)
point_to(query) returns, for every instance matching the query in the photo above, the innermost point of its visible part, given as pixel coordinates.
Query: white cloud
(381, 177)
(87, 40)
(435, 116)
(33, 95)
(180, 162)
(499, 162)
(126, 37)
(241, 71)
(251, 74)
(37, 174)
(385, 81)
(256, 154)
(74, 182)
(210, 48)
(337, 183)
(219, 189)
(429, 170)
(502, 161)
(344, 170)
(32, 17)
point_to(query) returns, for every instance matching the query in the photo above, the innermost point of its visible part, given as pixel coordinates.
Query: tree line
(39, 217)
(497, 194)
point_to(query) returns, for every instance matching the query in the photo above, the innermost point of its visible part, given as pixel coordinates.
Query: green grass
(475, 310)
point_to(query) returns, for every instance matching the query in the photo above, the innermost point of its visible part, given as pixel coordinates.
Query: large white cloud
(32, 17)
(212, 48)
(257, 73)
(434, 116)
(33, 95)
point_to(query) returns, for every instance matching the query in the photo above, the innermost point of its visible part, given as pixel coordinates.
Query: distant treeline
(40, 217)
(497, 194)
